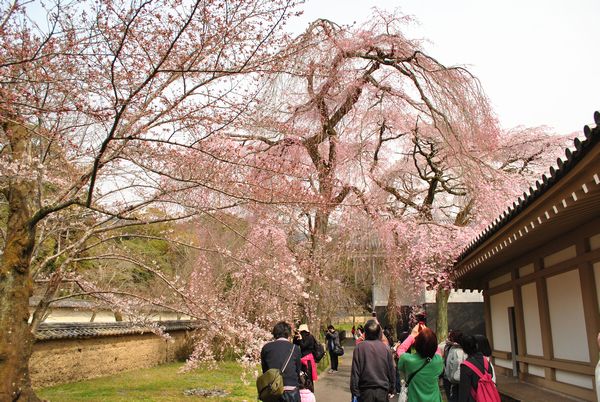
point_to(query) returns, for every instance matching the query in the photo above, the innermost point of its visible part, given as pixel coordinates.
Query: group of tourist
(295, 353)
(462, 363)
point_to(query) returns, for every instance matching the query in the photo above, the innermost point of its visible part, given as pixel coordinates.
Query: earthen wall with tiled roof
(92, 330)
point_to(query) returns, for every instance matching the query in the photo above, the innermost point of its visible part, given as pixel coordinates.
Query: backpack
(447, 348)
(270, 383)
(486, 389)
(318, 352)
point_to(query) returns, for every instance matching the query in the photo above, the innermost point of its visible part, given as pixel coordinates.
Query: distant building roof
(92, 330)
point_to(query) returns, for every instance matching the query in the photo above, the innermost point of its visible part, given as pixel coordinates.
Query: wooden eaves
(566, 199)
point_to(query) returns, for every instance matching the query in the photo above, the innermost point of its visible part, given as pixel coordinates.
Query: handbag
(404, 391)
(403, 397)
(338, 351)
(270, 383)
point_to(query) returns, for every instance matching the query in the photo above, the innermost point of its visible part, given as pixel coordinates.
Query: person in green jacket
(422, 368)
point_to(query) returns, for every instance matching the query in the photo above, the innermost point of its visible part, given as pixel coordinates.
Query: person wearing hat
(307, 343)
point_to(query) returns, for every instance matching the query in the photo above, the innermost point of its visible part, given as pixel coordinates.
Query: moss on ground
(161, 383)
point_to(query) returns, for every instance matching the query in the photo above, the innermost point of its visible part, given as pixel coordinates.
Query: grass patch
(161, 383)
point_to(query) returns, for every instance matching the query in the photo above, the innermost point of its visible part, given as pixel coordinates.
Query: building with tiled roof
(538, 265)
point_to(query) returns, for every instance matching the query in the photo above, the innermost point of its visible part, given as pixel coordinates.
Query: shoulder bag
(270, 383)
(404, 391)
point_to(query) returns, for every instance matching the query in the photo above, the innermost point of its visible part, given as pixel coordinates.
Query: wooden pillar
(542, 294)
(487, 311)
(590, 300)
(519, 321)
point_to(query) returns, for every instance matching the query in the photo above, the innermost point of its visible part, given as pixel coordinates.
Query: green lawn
(162, 383)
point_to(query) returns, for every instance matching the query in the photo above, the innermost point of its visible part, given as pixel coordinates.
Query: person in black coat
(333, 342)
(308, 344)
(305, 340)
(468, 379)
(373, 374)
(274, 355)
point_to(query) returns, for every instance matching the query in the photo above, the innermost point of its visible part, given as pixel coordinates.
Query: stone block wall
(467, 317)
(69, 360)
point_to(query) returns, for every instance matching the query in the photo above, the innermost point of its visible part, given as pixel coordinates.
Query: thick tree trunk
(441, 300)
(16, 339)
(392, 311)
(311, 309)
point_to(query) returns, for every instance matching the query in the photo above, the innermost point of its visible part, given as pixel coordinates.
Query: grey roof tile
(90, 330)
(592, 137)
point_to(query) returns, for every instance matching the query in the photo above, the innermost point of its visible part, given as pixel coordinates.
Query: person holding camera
(333, 345)
(421, 369)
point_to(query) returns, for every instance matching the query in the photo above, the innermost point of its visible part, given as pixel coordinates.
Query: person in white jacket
(453, 357)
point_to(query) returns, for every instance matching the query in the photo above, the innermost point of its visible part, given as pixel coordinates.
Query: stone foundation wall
(68, 360)
(467, 317)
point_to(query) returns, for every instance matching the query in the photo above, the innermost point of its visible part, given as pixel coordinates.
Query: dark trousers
(451, 391)
(374, 395)
(290, 396)
(334, 360)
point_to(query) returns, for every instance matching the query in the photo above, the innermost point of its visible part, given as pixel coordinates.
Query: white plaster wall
(560, 256)
(581, 380)
(526, 270)
(65, 315)
(499, 304)
(104, 316)
(597, 279)
(500, 280)
(457, 296)
(595, 242)
(68, 315)
(503, 363)
(567, 321)
(167, 316)
(536, 370)
(531, 312)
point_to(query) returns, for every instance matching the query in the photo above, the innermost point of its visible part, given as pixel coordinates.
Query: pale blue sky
(539, 61)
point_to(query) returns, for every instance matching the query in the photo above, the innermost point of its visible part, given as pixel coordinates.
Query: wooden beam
(500, 354)
(555, 269)
(579, 368)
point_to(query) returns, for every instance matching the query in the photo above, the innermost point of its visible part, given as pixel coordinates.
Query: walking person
(382, 337)
(483, 346)
(475, 373)
(422, 368)
(276, 354)
(373, 377)
(308, 345)
(306, 394)
(453, 357)
(333, 346)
